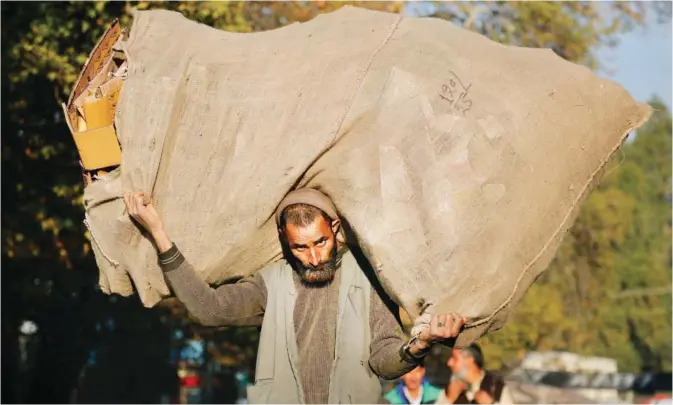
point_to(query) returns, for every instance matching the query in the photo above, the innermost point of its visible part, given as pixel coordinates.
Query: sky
(641, 61)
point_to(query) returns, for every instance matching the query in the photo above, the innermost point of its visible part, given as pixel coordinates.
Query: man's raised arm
(239, 304)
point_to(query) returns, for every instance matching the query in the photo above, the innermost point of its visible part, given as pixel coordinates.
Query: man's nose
(314, 258)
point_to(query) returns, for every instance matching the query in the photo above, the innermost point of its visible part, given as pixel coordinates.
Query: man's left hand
(483, 397)
(442, 327)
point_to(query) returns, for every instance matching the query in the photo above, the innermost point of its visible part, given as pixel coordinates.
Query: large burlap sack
(458, 162)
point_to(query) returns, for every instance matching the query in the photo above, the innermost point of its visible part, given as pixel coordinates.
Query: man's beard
(461, 374)
(320, 274)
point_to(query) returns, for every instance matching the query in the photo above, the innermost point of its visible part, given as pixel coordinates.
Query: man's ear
(280, 232)
(336, 226)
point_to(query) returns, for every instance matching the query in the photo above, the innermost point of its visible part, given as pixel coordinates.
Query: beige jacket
(277, 379)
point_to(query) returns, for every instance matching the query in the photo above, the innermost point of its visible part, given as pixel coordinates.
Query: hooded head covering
(308, 196)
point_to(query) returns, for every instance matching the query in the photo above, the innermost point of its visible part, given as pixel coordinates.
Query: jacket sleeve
(387, 340)
(239, 304)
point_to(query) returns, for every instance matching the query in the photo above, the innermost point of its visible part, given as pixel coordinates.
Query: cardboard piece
(98, 112)
(91, 107)
(98, 148)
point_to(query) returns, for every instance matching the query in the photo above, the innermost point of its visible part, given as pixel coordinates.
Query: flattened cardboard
(98, 148)
(92, 125)
(101, 77)
(101, 53)
(98, 112)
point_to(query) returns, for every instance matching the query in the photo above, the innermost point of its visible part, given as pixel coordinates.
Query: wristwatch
(405, 351)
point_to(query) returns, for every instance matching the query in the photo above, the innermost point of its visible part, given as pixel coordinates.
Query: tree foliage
(619, 243)
(574, 30)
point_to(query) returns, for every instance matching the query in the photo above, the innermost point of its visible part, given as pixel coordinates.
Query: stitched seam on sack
(361, 77)
(351, 99)
(581, 195)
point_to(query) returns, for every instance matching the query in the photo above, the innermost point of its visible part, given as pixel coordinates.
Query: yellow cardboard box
(98, 148)
(92, 126)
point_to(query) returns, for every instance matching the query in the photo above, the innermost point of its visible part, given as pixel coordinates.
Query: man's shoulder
(494, 377)
(273, 268)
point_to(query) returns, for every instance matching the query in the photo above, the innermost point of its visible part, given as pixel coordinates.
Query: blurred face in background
(460, 364)
(414, 378)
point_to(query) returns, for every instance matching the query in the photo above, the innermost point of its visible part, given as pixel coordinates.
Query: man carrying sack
(326, 334)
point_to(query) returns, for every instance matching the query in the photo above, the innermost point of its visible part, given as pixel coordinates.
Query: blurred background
(604, 306)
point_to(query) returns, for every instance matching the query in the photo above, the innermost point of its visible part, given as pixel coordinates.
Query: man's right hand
(143, 211)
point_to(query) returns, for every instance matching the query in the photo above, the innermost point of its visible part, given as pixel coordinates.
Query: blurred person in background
(470, 383)
(413, 388)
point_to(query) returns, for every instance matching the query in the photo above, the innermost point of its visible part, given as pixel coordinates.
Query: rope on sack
(558, 230)
(95, 240)
(423, 321)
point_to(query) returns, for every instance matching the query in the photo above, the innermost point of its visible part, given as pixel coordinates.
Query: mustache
(318, 267)
(321, 273)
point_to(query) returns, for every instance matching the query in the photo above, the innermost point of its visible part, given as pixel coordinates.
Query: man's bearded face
(458, 363)
(314, 249)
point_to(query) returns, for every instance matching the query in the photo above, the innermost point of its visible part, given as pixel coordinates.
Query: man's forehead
(318, 228)
(466, 354)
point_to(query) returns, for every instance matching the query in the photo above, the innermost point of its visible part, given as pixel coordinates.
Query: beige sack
(459, 162)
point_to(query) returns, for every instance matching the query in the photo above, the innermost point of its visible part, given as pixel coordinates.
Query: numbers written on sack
(455, 93)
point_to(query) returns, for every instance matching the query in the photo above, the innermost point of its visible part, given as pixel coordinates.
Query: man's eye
(321, 243)
(300, 249)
